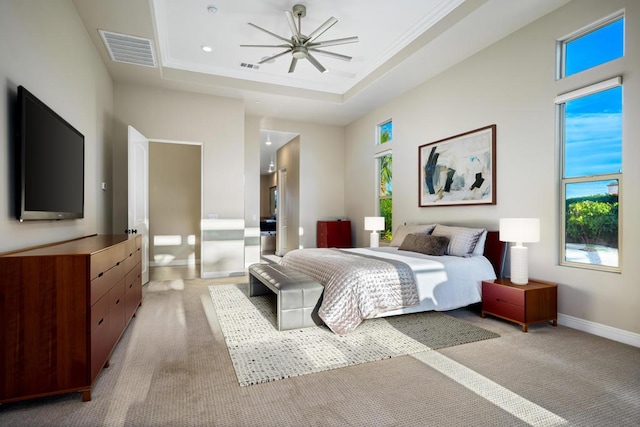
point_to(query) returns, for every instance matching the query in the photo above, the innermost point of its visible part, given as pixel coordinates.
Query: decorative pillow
(479, 249)
(462, 240)
(425, 244)
(402, 231)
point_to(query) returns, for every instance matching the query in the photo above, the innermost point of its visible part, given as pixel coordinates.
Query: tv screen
(50, 165)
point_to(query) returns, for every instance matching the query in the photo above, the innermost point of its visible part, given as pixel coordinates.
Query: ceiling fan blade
(334, 42)
(331, 54)
(292, 25)
(266, 45)
(269, 32)
(292, 67)
(274, 56)
(321, 29)
(315, 63)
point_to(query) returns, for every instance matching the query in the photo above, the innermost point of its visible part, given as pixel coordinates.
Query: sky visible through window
(593, 124)
(602, 45)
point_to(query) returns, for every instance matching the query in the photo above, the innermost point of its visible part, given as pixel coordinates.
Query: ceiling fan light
(299, 52)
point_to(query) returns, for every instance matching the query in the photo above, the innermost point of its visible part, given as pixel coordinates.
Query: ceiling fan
(300, 45)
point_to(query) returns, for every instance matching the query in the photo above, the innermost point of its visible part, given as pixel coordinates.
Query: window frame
(560, 103)
(561, 44)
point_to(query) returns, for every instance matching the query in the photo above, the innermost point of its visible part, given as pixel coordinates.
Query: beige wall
(216, 122)
(46, 49)
(174, 202)
(512, 84)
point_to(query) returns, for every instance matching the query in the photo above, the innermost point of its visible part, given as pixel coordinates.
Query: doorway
(273, 202)
(174, 208)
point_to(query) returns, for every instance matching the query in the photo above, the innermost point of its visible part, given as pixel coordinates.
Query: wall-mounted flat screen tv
(50, 163)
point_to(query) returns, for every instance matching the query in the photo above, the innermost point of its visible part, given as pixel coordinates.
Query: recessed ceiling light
(212, 9)
(206, 48)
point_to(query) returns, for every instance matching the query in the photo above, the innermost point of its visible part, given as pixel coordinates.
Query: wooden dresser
(63, 308)
(333, 234)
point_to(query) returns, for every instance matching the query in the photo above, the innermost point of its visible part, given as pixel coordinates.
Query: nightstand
(534, 302)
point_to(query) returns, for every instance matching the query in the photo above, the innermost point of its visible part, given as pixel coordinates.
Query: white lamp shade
(520, 230)
(374, 223)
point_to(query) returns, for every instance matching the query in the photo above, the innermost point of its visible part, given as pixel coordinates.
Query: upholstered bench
(298, 296)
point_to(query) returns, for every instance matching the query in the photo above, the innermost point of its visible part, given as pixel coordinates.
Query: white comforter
(444, 282)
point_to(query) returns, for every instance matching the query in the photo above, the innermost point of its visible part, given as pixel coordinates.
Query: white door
(282, 213)
(138, 207)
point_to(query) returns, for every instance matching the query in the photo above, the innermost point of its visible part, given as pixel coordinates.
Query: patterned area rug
(260, 353)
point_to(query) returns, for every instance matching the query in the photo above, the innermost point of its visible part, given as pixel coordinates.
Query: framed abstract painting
(459, 170)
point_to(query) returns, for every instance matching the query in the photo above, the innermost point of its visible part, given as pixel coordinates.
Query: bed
(426, 268)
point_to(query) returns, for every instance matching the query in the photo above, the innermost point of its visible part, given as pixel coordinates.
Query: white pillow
(462, 240)
(403, 230)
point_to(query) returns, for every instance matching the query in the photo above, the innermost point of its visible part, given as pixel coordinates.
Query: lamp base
(374, 239)
(519, 266)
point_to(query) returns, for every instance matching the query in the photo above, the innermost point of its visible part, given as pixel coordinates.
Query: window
(599, 43)
(591, 143)
(385, 132)
(385, 191)
(384, 181)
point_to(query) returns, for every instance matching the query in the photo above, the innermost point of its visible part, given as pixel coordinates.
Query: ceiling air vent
(251, 66)
(129, 49)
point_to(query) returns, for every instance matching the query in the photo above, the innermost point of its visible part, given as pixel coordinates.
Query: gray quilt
(356, 287)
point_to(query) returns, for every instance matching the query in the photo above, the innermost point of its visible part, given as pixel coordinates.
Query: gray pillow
(425, 244)
(402, 231)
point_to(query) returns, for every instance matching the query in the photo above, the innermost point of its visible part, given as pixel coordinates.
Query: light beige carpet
(261, 353)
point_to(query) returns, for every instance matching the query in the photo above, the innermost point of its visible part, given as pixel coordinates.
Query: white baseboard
(600, 330)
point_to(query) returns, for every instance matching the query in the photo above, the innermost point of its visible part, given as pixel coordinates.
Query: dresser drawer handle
(131, 286)
(117, 302)
(101, 320)
(117, 263)
(101, 274)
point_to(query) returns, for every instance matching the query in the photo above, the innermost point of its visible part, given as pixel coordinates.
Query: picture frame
(458, 170)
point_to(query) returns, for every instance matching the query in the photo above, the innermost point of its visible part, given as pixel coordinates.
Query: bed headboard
(494, 251)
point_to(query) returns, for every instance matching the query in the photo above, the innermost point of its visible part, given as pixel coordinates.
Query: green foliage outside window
(387, 212)
(385, 195)
(593, 221)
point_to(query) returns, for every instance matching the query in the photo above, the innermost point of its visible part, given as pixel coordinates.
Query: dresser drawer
(99, 313)
(117, 312)
(501, 293)
(106, 259)
(103, 283)
(131, 260)
(100, 347)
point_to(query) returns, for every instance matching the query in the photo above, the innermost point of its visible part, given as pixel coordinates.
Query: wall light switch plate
(104, 186)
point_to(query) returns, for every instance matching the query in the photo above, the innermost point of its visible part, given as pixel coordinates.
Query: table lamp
(374, 224)
(519, 230)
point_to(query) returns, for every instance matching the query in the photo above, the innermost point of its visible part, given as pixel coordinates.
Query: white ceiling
(401, 44)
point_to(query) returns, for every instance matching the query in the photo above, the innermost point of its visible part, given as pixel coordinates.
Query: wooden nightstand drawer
(504, 294)
(503, 308)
